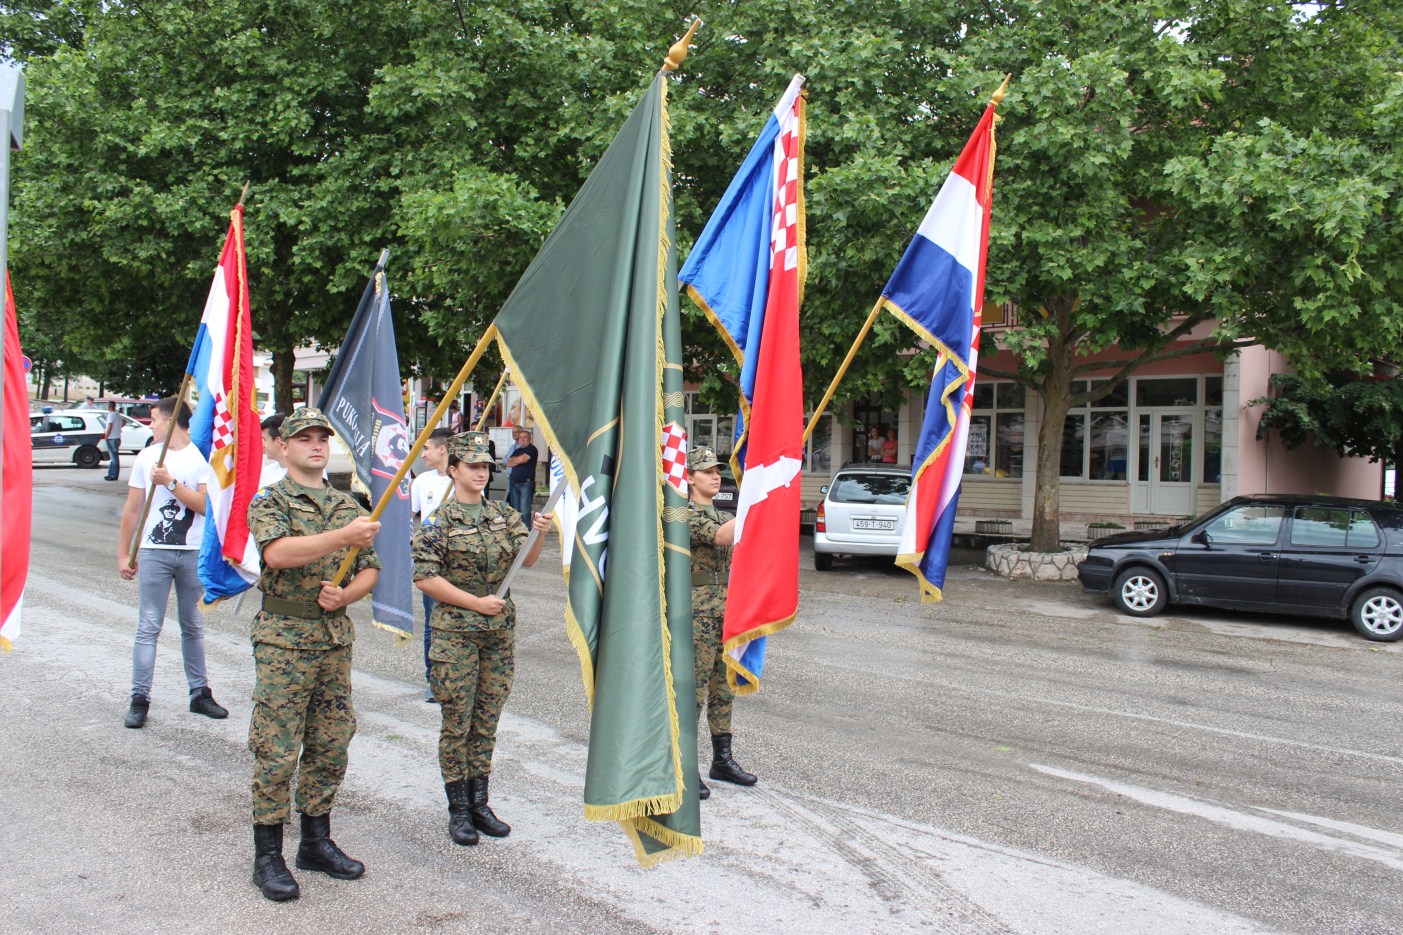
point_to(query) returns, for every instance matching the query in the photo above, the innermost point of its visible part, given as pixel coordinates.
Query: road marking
(1244, 821)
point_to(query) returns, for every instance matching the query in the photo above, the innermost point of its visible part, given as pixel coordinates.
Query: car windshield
(870, 488)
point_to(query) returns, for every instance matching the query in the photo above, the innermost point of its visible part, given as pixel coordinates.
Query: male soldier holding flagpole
(302, 654)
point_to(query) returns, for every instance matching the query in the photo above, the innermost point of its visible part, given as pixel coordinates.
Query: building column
(1232, 419)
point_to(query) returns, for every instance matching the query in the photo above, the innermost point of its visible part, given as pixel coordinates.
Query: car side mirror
(823, 491)
(1201, 537)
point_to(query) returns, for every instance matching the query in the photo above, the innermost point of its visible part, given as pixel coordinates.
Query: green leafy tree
(1352, 417)
(1167, 169)
(144, 121)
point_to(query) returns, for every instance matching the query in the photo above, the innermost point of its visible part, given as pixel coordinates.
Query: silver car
(861, 512)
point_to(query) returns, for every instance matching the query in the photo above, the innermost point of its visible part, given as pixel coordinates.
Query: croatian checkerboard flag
(938, 290)
(225, 427)
(747, 272)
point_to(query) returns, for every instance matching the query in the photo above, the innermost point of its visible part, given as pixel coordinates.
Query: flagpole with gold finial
(994, 100)
(678, 53)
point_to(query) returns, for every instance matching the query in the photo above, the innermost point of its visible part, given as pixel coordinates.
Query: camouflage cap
(699, 459)
(470, 448)
(302, 420)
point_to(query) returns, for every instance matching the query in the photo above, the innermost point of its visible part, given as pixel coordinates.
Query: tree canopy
(1163, 164)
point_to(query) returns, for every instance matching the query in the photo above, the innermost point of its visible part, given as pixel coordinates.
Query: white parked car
(861, 512)
(75, 435)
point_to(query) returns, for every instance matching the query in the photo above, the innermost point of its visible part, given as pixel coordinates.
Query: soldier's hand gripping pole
(530, 541)
(450, 394)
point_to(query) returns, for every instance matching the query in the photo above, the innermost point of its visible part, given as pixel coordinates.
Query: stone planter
(1012, 560)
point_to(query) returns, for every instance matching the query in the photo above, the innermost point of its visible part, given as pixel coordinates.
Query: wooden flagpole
(432, 422)
(842, 370)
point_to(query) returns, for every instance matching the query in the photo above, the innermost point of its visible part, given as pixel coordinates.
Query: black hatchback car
(1316, 556)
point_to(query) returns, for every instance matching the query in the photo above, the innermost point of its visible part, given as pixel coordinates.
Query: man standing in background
(112, 438)
(521, 482)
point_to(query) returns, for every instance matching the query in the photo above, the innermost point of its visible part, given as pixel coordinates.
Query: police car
(74, 436)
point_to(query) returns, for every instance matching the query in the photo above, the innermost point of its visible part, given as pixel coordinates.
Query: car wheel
(1378, 614)
(1139, 592)
(87, 457)
(823, 561)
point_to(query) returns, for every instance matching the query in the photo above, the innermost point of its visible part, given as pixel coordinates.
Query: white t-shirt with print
(427, 491)
(170, 524)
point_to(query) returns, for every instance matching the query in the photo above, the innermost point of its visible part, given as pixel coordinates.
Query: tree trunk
(283, 365)
(1047, 492)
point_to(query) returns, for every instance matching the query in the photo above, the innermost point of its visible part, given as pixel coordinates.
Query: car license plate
(883, 525)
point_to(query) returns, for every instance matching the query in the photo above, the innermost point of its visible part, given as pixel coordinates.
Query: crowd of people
(303, 719)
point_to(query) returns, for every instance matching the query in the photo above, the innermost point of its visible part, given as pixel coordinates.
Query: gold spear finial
(998, 97)
(678, 53)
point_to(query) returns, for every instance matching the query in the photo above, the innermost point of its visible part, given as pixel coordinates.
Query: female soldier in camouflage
(713, 533)
(461, 554)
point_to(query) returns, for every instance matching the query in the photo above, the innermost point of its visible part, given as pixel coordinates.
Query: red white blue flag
(747, 272)
(16, 499)
(938, 290)
(225, 427)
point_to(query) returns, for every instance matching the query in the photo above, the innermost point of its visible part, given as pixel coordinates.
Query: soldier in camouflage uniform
(302, 654)
(461, 555)
(713, 532)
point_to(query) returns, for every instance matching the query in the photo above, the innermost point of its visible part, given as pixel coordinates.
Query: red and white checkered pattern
(784, 235)
(222, 437)
(675, 456)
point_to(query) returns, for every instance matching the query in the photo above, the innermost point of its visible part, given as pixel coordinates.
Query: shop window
(1172, 391)
(818, 455)
(1213, 443)
(995, 446)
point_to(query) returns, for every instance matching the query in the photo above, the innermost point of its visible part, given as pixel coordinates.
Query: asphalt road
(1017, 759)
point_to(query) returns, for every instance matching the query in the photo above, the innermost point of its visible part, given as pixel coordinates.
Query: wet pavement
(1016, 759)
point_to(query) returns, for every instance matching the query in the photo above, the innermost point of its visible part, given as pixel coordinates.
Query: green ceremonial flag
(592, 335)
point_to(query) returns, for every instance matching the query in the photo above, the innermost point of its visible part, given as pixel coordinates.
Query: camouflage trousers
(471, 677)
(714, 692)
(301, 705)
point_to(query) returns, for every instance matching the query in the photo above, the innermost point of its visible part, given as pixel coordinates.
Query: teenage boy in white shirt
(169, 554)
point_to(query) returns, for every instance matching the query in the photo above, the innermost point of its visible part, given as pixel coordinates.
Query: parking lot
(1016, 759)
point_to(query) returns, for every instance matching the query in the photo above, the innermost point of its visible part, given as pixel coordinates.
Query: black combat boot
(318, 852)
(460, 819)
(703, 792)
(136, 714)
(724, 766)
(483, 819)
(270, 874)
(202, 702)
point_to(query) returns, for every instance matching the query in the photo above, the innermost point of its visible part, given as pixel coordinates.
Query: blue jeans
(114, 467)
(519, 497)
(157, 570)
(428, 631)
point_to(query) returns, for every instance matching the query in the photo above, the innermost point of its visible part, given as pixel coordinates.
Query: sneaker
(136, 714)
(202, 702)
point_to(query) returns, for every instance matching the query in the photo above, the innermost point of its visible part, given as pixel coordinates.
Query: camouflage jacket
(471, 555)
(711, 563)
(285, 509)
